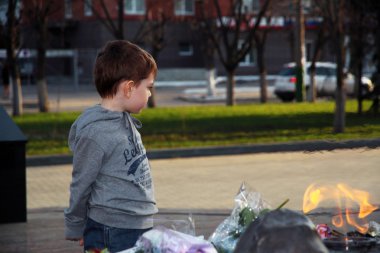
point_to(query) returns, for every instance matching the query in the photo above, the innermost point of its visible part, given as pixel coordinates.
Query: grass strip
(213, 125)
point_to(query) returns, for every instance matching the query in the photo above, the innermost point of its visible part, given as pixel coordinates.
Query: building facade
(78, 28)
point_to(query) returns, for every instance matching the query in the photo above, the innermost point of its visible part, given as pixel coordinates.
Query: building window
(88, 7)
(306, 5)
(184, 7)
(68, 9)
(249, 59)
(185, 49)
(251, 5)
(134, 6)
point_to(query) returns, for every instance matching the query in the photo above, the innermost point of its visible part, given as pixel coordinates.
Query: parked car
(325, 81)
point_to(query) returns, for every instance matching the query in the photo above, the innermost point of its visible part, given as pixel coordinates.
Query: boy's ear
(128, 86)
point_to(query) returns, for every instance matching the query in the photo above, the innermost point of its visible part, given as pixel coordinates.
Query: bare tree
(357, 41)
(101, 10)
(260, 38)
(208, 53)
(335, 10)
(376, 57)
(362, 26)
(151, 30)
(12, 43)
(233, 27)
(207, 48)
(152, 33)
(300, 50)
(321, 39)
(38, 13)
(275, 9)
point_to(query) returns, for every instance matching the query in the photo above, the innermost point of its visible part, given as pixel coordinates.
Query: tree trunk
(11, 44)
(312, 90)
(356, 52)
(208, 51)
(262, 69)
(152, 98)
(16, 93)
(211, 82)
(339, 115)
(376, 76)
(358, 85)
(42, 91)
(340, 99)
(263, 86)
(43, 102)
(300, 51)
(230, 88)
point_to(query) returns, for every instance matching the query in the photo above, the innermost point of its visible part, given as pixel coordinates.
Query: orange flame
(341, 192)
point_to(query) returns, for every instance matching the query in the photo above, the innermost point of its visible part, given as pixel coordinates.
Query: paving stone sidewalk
(201, 186)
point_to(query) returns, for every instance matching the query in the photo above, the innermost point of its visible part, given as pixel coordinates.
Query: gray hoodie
(111, 178)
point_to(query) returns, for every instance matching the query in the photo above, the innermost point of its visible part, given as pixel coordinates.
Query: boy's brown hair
(121, 60)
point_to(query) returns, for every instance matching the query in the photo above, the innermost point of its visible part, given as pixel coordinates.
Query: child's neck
(112, 104)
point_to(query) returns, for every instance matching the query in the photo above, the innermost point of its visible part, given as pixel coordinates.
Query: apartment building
(78, 28)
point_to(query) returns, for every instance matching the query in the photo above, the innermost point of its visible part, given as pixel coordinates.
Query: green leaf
(246, 216)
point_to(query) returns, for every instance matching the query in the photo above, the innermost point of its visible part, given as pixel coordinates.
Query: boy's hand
(76, 239)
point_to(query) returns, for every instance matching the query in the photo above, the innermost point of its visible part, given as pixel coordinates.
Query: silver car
(325, 81)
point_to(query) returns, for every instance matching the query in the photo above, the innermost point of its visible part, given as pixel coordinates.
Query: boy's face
(140, 94)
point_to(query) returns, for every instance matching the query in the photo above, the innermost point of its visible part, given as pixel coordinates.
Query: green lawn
(214, 125)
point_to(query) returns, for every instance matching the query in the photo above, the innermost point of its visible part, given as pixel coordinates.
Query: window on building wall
(249, 59)
(306, 4)
(68, 9)
(184, 7)
(256, 5)
(88, 7)
(251, 5)
(185, 49)
(134, 6)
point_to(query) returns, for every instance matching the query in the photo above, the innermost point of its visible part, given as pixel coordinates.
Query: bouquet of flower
(164, 240)
(248, 206)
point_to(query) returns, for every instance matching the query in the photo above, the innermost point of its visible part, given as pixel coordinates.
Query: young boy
(111, 193)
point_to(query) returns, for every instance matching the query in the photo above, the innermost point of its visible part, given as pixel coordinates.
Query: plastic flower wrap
(373, 229)
(185, 226)
(164, 240)
(248, 206)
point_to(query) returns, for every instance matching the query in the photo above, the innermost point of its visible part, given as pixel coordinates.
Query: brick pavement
(203, 186)
(212, 182)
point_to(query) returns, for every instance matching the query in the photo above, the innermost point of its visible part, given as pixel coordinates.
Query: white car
(325, 81)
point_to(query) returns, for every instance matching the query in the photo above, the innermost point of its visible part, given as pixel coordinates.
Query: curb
(305, 146)
(163, 211)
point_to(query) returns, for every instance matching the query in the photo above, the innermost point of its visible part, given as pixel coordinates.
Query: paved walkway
(212, 182)
(201, 186)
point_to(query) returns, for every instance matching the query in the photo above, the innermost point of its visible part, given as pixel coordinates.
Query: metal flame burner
(352, 244)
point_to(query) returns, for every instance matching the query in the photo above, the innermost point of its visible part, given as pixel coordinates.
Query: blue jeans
(99, 236)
